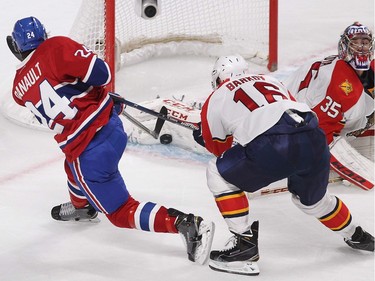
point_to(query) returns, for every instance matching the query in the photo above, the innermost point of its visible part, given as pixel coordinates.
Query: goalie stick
(159, 123)
(185, 124)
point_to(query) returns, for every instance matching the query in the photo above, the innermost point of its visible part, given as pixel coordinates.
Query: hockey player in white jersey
(340, 90)
(260, 135)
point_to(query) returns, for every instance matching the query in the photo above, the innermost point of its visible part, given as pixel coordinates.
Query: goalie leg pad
(351, 165)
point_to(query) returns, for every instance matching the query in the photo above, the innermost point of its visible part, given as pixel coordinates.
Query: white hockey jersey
(243, 108)
(335, 92)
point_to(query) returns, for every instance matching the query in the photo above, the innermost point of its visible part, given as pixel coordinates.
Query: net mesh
(202, 27)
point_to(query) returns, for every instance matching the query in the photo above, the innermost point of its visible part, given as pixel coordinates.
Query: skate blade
(238, 267)
(207, 230)
(95, 220)
(84, 221)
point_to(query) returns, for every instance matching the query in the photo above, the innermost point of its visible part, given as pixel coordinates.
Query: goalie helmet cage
(115, 30)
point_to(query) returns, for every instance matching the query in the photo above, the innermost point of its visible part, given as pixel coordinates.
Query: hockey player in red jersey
(260, 135)
(62, 83)
(340, 90)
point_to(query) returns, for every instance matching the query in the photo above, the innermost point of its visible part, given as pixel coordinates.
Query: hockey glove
(370, 123)
(117, 105)
(197, 134)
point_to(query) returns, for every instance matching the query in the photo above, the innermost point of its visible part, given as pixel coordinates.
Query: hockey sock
(339, 219)
(78, 203)
(146, 216)
(331, 212)
(232, 204)
(234, 207)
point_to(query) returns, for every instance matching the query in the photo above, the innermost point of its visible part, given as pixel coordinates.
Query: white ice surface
(293, 246)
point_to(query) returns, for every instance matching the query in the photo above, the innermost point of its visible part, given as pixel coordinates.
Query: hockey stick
(188, 125)
(159, 123)
(277, 190)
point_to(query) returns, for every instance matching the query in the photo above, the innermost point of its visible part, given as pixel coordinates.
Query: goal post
(109, 31)
(273, 38)
(125, 32)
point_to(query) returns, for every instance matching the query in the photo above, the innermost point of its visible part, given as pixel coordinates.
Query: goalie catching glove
(369, 124)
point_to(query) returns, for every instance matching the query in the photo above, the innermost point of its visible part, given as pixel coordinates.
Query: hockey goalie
(343, 100)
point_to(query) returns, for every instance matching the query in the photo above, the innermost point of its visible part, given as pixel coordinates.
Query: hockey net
(201, 27)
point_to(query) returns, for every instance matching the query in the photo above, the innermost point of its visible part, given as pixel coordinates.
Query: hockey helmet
(28, 33)
(356, 46)
(227, 67)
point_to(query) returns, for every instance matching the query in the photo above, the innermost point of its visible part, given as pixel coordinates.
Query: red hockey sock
(144, 216)
(78, 203)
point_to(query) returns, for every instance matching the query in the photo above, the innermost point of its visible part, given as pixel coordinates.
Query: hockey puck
(166, 139)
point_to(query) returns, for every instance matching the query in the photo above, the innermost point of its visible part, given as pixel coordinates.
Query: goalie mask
(227, 67)
(28, 34)
(356, 46)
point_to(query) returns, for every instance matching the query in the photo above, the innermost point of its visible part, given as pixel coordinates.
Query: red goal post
(117, 32)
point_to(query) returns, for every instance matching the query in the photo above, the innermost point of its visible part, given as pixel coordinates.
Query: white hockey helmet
(356, 46)
(227, 67)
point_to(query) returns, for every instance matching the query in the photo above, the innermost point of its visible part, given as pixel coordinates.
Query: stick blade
(160, 122)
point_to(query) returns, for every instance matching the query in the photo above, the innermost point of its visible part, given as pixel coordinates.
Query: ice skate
(361, 240)
(67, 212)
(196, 233)
(241, 257)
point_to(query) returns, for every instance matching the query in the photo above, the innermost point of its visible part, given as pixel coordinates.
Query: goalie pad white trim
(351, 165)
(182, 137)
